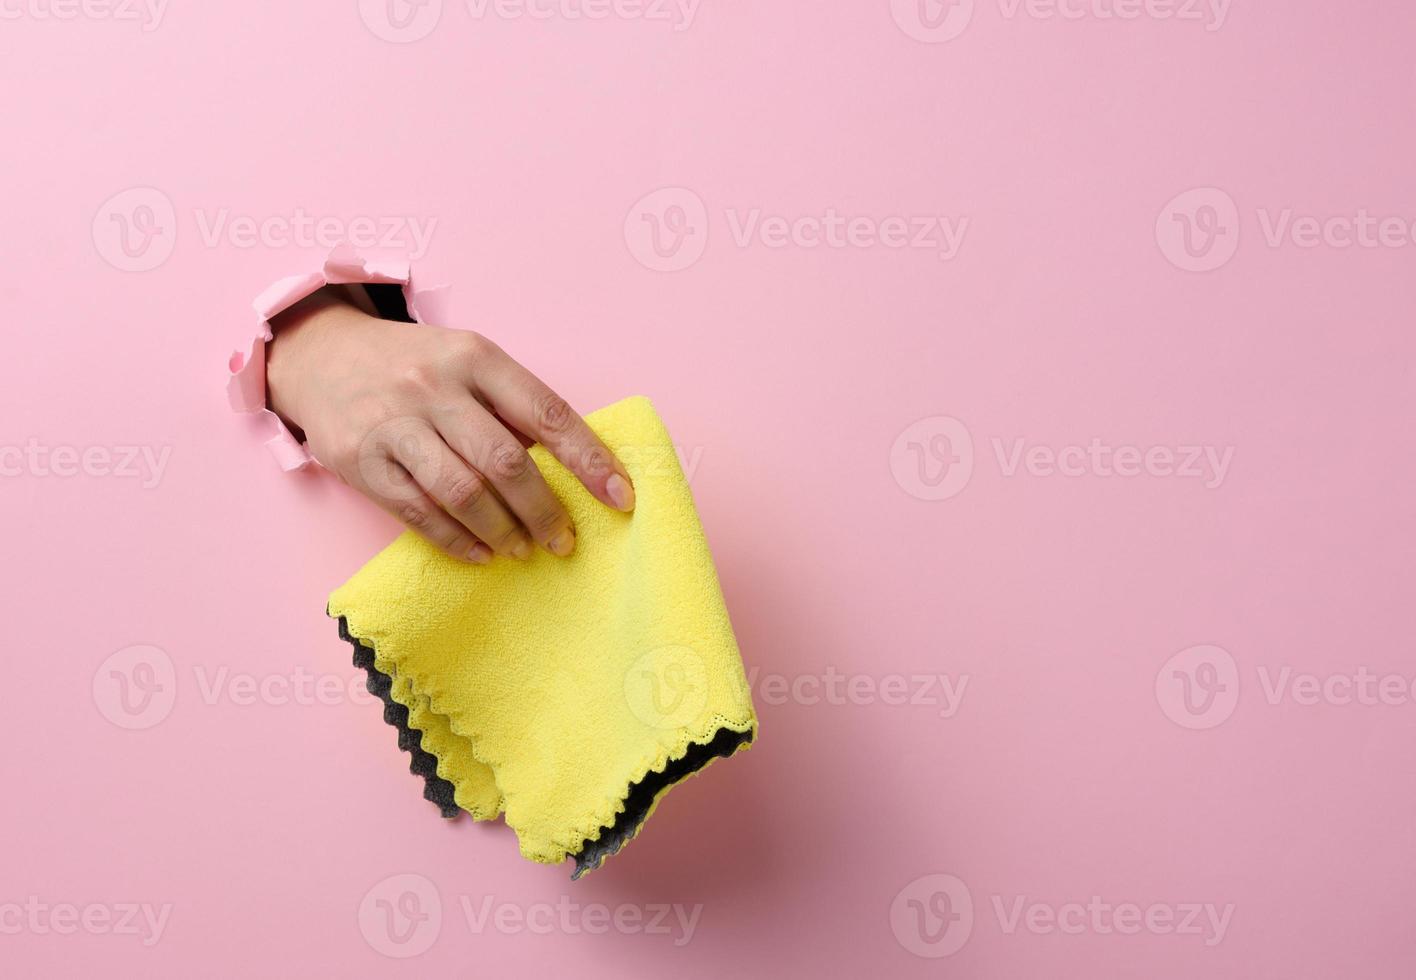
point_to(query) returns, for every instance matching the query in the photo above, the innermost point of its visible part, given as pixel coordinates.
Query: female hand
(431, 424)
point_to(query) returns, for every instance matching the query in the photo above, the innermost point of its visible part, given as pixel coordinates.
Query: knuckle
(553, 413)
(455, 542)
(468, 345)
(546, 521)
(477, 343)
(509, 462)
(508, 537)
(465, 492)
(419, 378)
(596, 461)
(411, 447)
(415, 516)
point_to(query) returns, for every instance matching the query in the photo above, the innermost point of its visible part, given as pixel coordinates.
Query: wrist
(303, 337)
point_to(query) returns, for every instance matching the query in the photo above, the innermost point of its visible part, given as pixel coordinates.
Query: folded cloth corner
(569, 694)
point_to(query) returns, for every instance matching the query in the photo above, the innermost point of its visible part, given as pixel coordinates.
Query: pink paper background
(1065, 317)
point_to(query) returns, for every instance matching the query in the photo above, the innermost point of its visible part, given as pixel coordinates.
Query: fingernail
(563, 543)
(522, 548)
(479, 553)
(620, 492)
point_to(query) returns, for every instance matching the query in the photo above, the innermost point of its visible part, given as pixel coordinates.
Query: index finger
(529, 404)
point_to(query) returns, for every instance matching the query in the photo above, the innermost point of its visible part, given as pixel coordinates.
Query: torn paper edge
(246, 384)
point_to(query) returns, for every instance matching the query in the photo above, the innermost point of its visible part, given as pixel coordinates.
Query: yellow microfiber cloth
(569, 693)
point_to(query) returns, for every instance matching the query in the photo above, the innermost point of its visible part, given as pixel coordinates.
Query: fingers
(499, 458)
(453, 465)
(461, 492)
(532, 407)
(420, 513)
